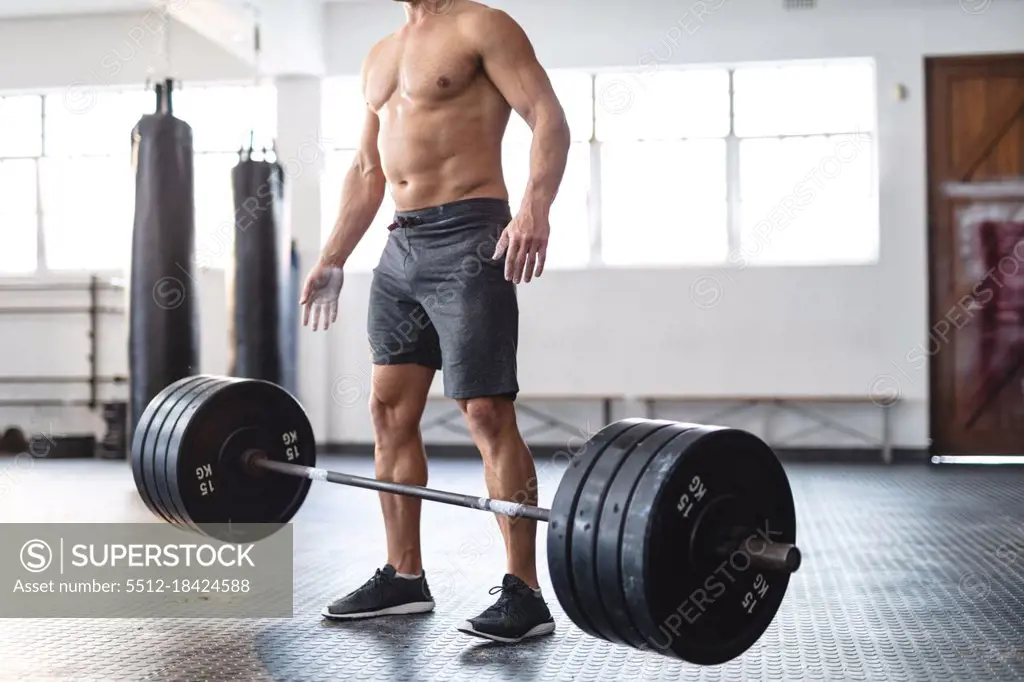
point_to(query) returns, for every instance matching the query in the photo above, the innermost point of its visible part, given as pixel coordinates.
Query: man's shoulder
(478, 13)
(383, 44)
(481, 20)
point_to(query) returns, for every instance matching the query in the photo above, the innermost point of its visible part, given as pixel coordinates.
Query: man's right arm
(361, 197)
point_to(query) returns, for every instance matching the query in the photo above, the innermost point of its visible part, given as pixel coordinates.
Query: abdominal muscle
(439, 152)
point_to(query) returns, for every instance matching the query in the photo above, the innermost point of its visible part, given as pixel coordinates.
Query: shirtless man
(439, 93)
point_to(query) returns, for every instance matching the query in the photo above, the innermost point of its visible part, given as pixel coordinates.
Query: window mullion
(733, 194)
(734, 207)
(42, 264)
(594, 204)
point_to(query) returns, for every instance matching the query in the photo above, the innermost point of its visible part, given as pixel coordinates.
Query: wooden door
(975, 109)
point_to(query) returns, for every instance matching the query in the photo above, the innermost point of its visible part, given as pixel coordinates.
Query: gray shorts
(439, 300)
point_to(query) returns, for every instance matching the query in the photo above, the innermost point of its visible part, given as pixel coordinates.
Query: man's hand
(524, 243)
(323, 287)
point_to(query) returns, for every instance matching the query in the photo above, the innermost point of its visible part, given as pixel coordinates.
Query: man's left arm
(511, 63)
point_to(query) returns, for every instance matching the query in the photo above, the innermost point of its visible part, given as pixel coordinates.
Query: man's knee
(488, 417)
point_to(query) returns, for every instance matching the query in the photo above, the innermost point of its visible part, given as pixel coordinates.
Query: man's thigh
(477, 324)
(399, 396)
(399, 330)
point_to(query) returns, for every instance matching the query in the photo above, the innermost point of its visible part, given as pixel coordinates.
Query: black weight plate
(147, 428)
(174, 426)
(610, 547)
(560, 521)
(693, 603)
(587, 521)
(150, 468)
(205, 460)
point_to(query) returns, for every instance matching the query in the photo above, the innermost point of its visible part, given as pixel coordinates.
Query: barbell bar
(670, 537)
(776, 557)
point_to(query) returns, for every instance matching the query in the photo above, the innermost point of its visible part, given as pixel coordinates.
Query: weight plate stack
(629, 445)
(144, 443)
(701, 510)
(163, 475)
(563, 511)
(610, 543)
(219, 495)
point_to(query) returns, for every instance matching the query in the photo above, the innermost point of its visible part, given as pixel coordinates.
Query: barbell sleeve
(502, 507)
(780, 557)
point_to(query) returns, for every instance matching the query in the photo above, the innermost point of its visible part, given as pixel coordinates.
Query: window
(85, 179)
(21, 126)
(21, 140)
(807, 200)
(807, 188)
(663, 167)
(344, 114)
(569, 244)
(215, 209)
(665, 105)
(67, 167)
(664, 202)
(756, 164)
(88, 205)
(804, 99)
(222, 119)
(101, 126)
(18, 221)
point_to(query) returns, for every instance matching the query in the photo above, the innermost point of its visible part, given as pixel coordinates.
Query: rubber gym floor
(910, 573)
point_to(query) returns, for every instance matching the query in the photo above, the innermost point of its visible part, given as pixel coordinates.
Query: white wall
(813, 331)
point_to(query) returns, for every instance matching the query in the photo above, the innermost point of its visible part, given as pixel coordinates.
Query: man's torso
(441, 118)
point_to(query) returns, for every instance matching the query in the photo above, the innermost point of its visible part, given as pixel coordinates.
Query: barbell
(671, 537)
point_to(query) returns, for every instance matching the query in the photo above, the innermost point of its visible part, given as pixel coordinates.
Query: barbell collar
(255, 460)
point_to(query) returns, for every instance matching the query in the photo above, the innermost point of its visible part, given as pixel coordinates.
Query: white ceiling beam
(291, 31)
(293, 37)
(230, 26)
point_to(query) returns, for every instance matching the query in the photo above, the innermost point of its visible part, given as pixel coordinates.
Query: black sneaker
(385, 594)
(519, 613)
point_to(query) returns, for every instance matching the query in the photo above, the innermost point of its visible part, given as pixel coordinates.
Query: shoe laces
(379, 578)
(505, 603)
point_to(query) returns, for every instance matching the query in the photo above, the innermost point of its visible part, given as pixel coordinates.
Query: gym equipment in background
(164, 309)
(261, 302)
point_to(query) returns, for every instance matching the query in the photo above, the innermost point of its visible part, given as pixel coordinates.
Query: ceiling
(37, 8)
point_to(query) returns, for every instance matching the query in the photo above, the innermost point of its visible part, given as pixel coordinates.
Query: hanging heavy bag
(260, 300)
(293, 322)
(163, 304)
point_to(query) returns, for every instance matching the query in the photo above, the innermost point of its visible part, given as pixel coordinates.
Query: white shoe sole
(400, 610)
(536, 631)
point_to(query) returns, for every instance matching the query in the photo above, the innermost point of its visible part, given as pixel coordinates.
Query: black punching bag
(293, 322)
(260, 283)
(163, 307)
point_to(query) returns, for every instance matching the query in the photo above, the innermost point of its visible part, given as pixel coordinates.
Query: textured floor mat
(909, 573)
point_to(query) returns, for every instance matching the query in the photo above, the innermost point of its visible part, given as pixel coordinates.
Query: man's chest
(422, 69)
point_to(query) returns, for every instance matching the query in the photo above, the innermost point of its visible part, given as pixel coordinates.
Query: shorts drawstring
(405, 221)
